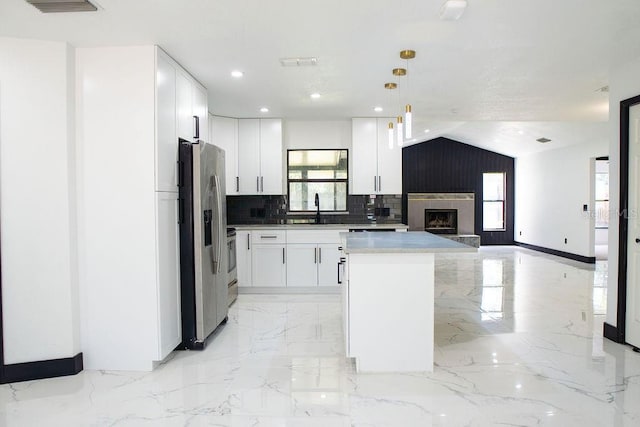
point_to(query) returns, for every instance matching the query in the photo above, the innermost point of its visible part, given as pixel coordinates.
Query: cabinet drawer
(314, 236)
(268, 236)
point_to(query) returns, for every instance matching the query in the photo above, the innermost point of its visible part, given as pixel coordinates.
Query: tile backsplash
(385, 209)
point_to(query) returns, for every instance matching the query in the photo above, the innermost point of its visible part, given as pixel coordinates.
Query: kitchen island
(388, 298)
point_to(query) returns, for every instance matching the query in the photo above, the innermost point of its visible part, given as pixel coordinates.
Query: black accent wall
(443, 165)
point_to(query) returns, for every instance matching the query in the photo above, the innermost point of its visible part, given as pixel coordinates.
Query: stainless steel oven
(232, 272)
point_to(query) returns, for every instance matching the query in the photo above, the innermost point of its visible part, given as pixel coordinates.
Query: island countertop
(409, 242)
(294, 226)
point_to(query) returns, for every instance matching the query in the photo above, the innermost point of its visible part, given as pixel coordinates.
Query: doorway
(601, 240)
(627, 328)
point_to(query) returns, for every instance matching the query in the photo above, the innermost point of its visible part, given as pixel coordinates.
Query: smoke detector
(543, 140)
(57, 6)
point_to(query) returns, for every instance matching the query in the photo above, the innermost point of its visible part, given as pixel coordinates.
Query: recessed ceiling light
(427, 130)
(521, 132)
(315, 95)
(237, 74)
(452, 9)
(377, 109)
(264, 110)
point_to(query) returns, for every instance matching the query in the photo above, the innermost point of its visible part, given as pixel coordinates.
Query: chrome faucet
(317, 203)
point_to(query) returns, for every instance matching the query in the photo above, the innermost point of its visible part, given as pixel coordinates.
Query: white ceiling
(506, 73)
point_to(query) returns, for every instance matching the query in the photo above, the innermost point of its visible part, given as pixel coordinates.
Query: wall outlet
(565, 240)
(521, 233)
(585, 208)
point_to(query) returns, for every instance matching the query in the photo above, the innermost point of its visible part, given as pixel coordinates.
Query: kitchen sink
(301, 221)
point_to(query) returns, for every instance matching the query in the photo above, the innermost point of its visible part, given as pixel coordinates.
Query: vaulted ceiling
(504, 74)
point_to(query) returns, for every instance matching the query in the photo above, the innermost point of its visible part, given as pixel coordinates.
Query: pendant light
(391, 86)
(398, 72)
(407, 55)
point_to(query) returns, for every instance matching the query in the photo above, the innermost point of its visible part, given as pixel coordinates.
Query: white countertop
(409, 242)
(321, 226)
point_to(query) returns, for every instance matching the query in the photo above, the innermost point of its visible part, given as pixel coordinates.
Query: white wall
(551, 189)
(316, 134)
(37, 203)
(623, 84)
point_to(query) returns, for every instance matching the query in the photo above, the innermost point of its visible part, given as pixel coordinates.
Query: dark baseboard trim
(42, 369)
(575, 257)
(612, 333)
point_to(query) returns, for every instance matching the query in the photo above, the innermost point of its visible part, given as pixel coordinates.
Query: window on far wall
(324, 172)
(493, 207)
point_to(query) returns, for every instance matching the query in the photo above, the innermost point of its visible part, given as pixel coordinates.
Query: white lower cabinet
(269, 265)
(243, 258)
(302, 268)
(167, 237)
(293, 258)
(329, 256)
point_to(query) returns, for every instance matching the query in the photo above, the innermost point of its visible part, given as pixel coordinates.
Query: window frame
(341, 180)
(503, 201)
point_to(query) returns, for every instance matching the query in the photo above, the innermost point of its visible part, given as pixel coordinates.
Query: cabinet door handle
(379, 183)
(262, 184)
(257, 184)
(265, 236)
(315, 255)
(237, 184)
(339, 279)
(178, 205)
(283, 259)
(196, 127)
(320, 255)
(248, 241)
(375, 183)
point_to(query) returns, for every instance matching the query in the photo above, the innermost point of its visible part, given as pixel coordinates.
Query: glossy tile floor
(518, 342)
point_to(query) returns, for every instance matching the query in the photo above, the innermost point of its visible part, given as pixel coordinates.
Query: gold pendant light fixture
(398, 72)
(407, 55)
(390, 86)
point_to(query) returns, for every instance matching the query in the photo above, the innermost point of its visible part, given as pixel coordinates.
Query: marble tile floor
(518, 343)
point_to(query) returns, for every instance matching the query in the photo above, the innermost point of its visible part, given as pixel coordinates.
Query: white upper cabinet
(192, 108)
(200, 111)
(260, 156)
(166, 140)
(270, 156)
(249, 156)
(389, 161)
(364, 176)
(223, 132)
(376, 168)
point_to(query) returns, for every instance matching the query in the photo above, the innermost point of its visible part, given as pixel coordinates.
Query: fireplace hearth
(441, 221)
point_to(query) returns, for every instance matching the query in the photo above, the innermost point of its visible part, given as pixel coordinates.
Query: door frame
(617, 333)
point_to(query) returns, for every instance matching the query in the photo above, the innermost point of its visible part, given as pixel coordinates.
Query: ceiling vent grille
(299, 62)
(58, 6)
(543, 140)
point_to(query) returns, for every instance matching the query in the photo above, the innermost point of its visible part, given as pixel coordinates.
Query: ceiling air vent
(543, 140)
(57, 6)
(299, 62)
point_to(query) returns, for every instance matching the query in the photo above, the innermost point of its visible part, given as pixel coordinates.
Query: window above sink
(323, 172)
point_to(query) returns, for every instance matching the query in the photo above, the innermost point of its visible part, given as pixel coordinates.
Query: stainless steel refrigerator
(203, 241)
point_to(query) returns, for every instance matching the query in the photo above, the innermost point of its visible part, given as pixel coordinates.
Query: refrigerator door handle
(219, 222)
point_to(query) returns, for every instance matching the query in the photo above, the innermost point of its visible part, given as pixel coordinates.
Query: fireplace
(441, 221)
